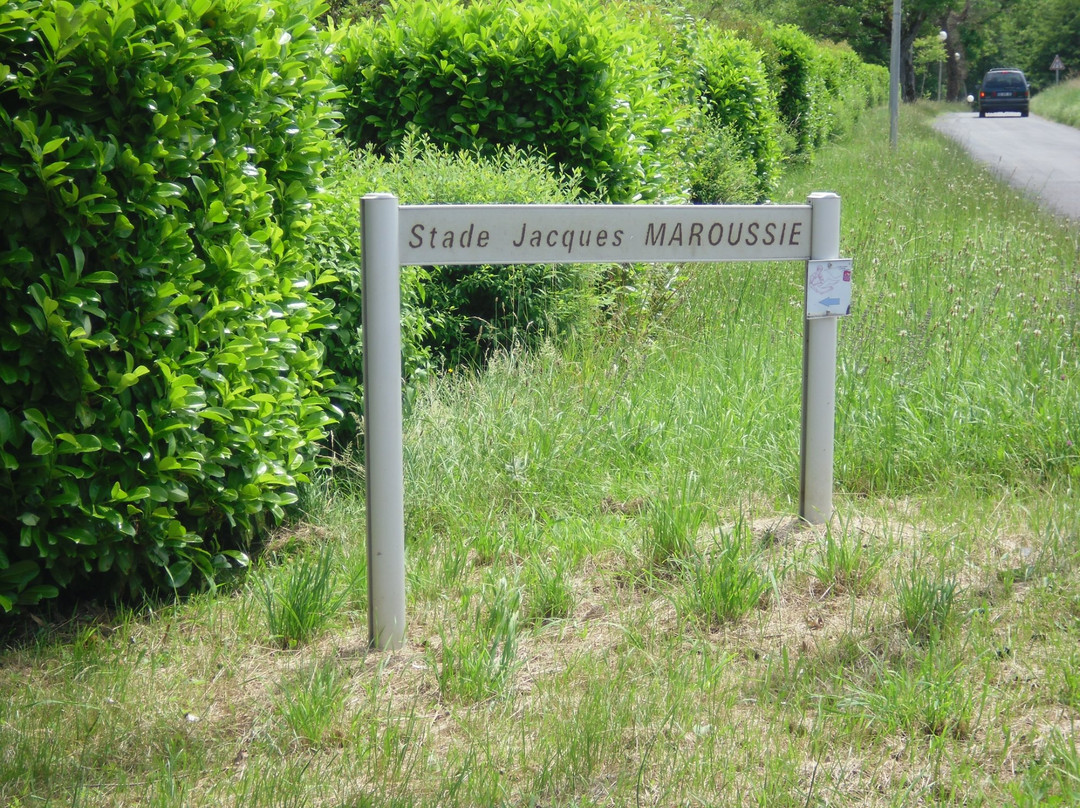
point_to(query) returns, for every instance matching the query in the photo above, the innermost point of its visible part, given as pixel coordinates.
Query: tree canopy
(981, 34)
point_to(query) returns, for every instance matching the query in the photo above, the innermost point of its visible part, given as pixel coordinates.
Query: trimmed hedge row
(162, 383)
(737, 94)
(451, 316)
(179, 301)
(616, 92)
(578, 82)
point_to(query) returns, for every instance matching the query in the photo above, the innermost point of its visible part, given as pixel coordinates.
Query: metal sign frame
(396, 236)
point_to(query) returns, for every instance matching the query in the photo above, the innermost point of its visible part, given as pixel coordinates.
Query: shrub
(460, 314)
(802, 90)
(722, 172)
(876, 80)
(336, 247)
(580, 82)
(847, 90)
(736, 95)
(162, 388)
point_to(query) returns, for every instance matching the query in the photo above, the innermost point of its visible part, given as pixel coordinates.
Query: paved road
(1035, 155)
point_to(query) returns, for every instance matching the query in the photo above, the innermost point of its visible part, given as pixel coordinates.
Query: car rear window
(1004, 81)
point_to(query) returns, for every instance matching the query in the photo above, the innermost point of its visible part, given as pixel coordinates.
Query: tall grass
(585, 627)
(301, 599)
(1060, 102)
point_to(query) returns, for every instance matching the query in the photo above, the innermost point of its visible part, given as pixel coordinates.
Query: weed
(301, 598)
(311, 700)
(673, 524)
(724, 584)
(929, 697)
(550, 595)
(1053, 780)
(1070, 677)
(477, 662)
(925, 602)
(846, 563)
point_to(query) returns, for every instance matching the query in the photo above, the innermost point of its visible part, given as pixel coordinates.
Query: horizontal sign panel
(548, 234)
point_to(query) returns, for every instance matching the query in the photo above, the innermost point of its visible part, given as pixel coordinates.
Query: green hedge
(721, 170)
(451, 316)
(736, 94)
(471, 311)
(803, 91)
(848, 90)
(162, 384)
(336, 246)
(580, 82)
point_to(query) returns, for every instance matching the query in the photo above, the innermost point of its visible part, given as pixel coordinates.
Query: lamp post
(942, 37)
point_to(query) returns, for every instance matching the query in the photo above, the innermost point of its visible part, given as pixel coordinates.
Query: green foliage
(845, 564)
(1028, 35)
(302, 599)
(311, 700)
(336, 247)
(161, 393)
(782, 93)
(722, 172)
(550, 593)
(1060, 103)
(925, 602)
(737, 94)
(723, 585)
(478, 663)
(849, 88)
(802, 92)
(674, 520)
(460, 314)
(583, 84)
(1053, 779)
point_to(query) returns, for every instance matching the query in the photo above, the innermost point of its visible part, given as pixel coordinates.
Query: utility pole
(894, 77)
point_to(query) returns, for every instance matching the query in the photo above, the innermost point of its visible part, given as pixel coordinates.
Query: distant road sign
(1057, 64)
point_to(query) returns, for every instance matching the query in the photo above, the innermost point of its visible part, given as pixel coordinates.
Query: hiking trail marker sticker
(828, 288)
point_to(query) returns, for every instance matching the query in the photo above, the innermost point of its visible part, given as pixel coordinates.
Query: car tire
(1024, 114)
(982, 114)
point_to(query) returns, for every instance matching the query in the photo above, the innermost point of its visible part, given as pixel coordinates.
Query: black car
(1004, 89)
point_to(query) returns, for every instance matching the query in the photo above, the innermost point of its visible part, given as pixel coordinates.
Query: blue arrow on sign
(830, 301)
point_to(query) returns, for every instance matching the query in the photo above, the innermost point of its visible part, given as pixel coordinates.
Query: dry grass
(623, 700)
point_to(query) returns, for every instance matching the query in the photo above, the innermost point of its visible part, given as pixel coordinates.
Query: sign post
(827, 296)
(1057, 66)
(432, 235)
(383, 443)
(894, 74)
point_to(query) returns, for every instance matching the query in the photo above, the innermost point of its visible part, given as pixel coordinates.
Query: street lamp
(942, 36)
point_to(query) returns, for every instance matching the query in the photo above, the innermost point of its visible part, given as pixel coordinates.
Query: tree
(1050, 28)
(866, 25)
(981, 33)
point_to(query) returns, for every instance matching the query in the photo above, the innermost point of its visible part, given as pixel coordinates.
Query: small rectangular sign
(828, 288)
(548, 234)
